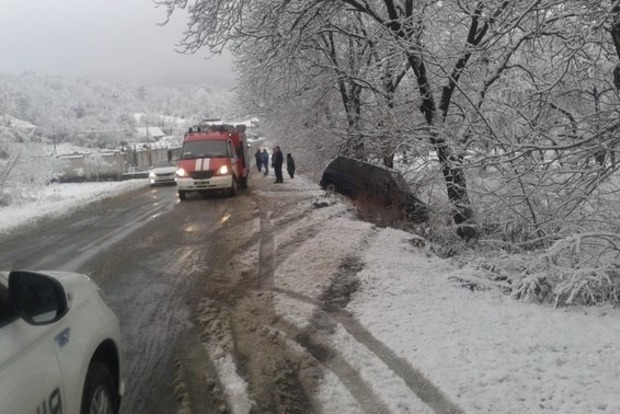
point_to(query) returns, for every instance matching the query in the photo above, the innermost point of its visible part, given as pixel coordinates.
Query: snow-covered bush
(580, 269)
(25, 166)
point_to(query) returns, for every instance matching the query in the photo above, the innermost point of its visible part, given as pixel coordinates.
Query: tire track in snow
(267, 253)
(415, 380)
(332, 361)
(330, 358)
(336, 363)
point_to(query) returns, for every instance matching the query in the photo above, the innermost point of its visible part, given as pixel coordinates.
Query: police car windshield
(205, 149)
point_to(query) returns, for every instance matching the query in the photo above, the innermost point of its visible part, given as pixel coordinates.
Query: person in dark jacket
(290, 165)
(259, 159)
(265, 158)
(278, 160)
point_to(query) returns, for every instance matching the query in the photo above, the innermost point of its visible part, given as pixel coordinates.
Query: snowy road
(145, 251)
(194, 286)
(279, 300)
(104, 240)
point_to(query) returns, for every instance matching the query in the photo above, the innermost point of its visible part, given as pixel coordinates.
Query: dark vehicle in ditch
(378, 185)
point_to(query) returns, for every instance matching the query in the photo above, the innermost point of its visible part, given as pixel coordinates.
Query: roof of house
(150, 132)
(13, 122)
(249, 123)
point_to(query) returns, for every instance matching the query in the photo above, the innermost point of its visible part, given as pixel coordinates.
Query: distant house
(16, 123)
(252, 125)
(149, 133)
(249, 123)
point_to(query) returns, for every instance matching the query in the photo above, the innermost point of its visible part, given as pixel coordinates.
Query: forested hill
(94, 113)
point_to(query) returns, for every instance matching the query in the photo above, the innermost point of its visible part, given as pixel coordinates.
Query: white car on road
(59, 345)
(163, 172)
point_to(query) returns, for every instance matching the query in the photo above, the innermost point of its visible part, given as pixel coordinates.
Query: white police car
(59, 345)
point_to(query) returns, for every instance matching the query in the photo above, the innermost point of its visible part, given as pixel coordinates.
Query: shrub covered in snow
(25, 166)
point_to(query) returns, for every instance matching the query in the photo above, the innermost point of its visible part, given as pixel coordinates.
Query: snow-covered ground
(486, 352)
(58, 200)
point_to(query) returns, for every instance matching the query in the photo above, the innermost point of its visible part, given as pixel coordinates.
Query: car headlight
(151, 174)
(223, 170)
(181, 173)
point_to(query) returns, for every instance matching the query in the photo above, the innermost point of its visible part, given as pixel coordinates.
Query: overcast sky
(117, 39)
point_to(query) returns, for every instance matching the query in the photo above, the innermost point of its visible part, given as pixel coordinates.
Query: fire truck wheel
(233, 187)
(181, 195)
(244, 182)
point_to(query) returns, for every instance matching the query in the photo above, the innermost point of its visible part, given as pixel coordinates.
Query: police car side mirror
(38, 299)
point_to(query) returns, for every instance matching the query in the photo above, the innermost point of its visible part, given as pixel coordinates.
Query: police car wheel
(99, 396)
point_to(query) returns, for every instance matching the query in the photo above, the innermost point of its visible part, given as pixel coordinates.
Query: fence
(113, 165)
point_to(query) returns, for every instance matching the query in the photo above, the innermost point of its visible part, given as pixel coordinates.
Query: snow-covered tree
(510, 104)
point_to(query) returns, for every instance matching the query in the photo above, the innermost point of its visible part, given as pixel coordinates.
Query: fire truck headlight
(223, 170)
(181, 173)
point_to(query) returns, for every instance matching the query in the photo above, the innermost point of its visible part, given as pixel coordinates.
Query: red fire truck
(214, 157)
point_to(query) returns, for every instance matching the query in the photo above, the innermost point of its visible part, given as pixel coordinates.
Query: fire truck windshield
(205, 149)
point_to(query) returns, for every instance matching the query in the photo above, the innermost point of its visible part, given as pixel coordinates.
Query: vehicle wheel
(330, 188)
(181, 195)
(244, 182)
(99, 395)
(233, 188)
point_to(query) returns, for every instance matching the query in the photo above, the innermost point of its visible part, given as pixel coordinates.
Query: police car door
(30, 379)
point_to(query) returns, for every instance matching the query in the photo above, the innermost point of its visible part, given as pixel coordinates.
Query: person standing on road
(290, 165)
(278, 160)
(273, 159)
(259, 159)
(265, 158)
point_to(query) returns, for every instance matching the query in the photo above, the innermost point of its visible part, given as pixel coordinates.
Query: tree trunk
(456, 185)
(615, 36)
(454, 176)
